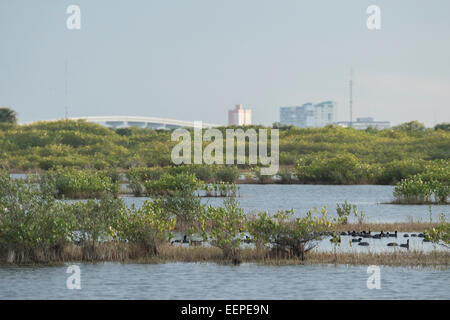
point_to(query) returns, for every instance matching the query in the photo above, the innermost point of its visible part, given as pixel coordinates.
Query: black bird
(405, 235)
(356, 240)
(405, 245)
(363, 243)
(421, 235)
(393, 234)
(378, 236)
(413, 235)
(367, 234)
(185, 240)
(392, 244)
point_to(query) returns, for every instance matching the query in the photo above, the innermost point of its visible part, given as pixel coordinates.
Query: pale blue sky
(194, 59)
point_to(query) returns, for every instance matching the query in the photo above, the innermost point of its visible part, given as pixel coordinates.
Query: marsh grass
(410, 258)
(131, 253)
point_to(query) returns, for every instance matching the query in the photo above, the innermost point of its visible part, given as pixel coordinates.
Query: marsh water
(213, 281)
(372, 199)
(252, 281)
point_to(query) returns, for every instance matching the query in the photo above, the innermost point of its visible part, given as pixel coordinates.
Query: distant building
(239, 116)
(324, 113)
(308, 115)
(364, 123)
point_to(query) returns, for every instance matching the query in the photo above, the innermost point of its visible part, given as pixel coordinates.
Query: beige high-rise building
(239, 116)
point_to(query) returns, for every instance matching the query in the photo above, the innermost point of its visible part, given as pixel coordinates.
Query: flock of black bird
(358, 237)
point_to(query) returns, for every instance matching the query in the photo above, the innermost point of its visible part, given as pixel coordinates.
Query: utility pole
(351, 97)
(66, 108)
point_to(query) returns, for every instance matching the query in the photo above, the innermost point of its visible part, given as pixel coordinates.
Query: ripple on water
(213, 281)
(301, 198)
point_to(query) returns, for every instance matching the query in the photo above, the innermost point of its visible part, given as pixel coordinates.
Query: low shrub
(227, 174)
(73, 183)
(34, 226)
(225, 228)
(148, 227)
(431, 186)
(288, 235)
(222, 189)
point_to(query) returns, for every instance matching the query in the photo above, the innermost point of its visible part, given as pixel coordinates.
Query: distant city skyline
(195, 60)
(308, 114)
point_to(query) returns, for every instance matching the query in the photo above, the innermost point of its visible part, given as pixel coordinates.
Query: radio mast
(351, 97)
(66, 108)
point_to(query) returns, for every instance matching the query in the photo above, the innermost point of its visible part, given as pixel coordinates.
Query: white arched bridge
(142, 122)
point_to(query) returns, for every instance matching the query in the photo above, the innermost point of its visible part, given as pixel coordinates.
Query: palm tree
(7, 115)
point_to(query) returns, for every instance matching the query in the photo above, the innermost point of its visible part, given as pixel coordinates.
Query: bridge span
(142, 122)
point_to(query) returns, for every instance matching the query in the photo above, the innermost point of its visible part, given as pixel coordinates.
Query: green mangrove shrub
(440, 235)
(221, 189)
(179, 198)
(148, 227)
(95, 222)
(413, 190)
(345, 210)
(430, 186)
(34, 226)
(47, 145)
(333, 169)
(260, 227)
(227, 174)
(137, 176)
(286, 234)
(261, 177)
(286, 176)
(420, 189)
(206, 173)
(170, 185)
(225, 225)
(77, 184)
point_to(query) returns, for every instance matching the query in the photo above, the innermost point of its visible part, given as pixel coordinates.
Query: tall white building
(239, 116)
(308, 115)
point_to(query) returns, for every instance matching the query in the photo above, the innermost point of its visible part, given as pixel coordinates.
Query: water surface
(213, 281)
(369, 198)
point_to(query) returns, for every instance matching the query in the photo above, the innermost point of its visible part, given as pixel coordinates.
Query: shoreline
(174, 254)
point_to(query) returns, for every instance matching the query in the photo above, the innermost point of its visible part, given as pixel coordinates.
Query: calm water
(301, 198)
(369, 198)
(212, 281)
(250, 281)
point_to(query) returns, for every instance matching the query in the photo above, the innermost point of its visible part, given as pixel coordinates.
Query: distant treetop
(7, 115)
(442, 126)
(410, 126)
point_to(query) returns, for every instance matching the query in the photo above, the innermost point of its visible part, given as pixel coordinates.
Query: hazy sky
(194, 59)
